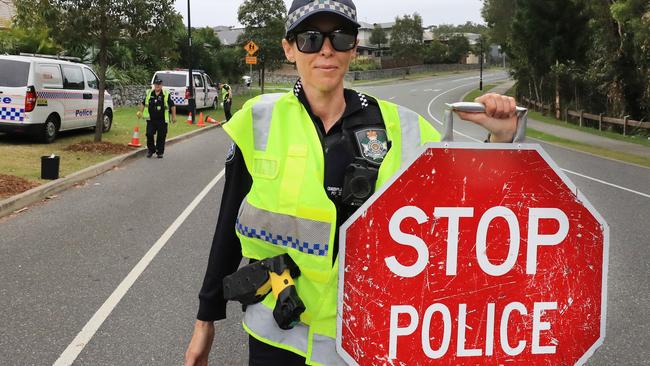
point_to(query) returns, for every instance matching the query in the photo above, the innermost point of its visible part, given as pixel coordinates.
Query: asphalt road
(76, 284)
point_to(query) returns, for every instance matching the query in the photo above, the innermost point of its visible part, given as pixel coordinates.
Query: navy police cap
(302, 9)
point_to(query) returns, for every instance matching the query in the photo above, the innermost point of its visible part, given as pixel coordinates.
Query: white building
(365, 47)
(7, 11)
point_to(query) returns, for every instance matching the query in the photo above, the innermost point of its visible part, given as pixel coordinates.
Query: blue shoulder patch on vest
(373, 144)
(230, 155)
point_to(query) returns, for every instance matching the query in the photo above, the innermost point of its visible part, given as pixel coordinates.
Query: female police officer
(286, 182)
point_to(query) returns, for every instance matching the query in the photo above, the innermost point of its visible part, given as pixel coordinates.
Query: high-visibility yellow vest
(225, 90)
(147, 98)
(288, 210)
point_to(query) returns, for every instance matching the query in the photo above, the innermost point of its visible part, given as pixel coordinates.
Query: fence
(284, 78)
(583, 116)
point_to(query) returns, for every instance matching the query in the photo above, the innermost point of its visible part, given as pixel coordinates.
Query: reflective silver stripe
(259, 319)
(262, 114)
(307, 236)
(410, 126)
(323, 351)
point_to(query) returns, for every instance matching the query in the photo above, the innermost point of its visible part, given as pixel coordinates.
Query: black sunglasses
(312, 41)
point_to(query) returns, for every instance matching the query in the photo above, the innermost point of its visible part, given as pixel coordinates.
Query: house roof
(387, 25)
(228, 35)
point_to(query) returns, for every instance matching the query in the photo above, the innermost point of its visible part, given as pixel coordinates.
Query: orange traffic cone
(212, 120)
(135, 141)
(189, 118)
(201, 123)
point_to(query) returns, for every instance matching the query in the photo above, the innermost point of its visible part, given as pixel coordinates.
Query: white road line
(564, 170)
(608, 184)
(391, 98)
(71, 353)
(428, 90)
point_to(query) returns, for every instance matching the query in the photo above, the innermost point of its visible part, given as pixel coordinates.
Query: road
(108, 272)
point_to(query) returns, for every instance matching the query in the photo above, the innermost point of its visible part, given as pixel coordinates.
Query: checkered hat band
(321, 5)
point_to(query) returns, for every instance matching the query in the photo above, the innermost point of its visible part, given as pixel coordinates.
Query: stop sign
(475, 254)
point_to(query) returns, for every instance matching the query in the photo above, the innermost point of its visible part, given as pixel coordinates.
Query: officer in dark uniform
(226, 96)
(158, 103)
(354, 142)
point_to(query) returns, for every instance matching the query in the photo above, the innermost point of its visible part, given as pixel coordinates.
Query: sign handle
(448, 126)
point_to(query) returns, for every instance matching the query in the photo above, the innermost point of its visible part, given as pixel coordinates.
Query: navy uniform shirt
(157, 106)
(360, 132)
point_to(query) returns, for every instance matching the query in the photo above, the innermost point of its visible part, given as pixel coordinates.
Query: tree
(205, 50)
(457, 48)
(498, 15)
(435, 52)
(378, 36)
(264, 24)
(406, 39)
(468, 27)
(544, 34)
(99, 24)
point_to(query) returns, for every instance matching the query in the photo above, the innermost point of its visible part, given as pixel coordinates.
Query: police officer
(288, 188)
(158, 103)
(226, 96)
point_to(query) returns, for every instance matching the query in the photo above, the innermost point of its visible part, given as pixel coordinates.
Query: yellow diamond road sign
(251, 48)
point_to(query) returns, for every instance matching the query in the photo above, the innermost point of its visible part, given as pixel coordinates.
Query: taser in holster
(251, 283)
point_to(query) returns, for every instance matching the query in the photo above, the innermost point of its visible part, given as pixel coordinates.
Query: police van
(177, 84)
(43, 95)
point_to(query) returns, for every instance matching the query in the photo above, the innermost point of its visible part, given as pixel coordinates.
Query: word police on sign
(476, 254)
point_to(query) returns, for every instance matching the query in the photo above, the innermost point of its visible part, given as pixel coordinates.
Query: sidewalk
(579, 136)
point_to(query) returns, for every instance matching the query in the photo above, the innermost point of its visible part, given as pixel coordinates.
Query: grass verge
(617, 155)
(23, 153)
(639, 140)
(477, 93)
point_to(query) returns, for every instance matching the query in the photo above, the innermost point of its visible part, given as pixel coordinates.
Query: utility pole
(480, 86)
(191, 101)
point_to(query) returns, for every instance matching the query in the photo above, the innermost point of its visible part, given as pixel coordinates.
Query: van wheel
(107, 122)
(49, 130)
(215, 104)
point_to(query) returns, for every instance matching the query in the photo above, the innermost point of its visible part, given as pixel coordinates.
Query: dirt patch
(99, 147)
(11, 185)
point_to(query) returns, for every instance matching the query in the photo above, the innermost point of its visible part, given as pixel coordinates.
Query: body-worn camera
(359, 183)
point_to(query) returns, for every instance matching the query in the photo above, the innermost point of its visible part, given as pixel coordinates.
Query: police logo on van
(83, 113)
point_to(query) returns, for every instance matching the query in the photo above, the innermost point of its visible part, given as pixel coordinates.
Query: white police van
(43, 95)
(177, 84)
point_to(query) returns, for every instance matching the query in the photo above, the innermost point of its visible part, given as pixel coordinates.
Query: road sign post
(252, 48)
(474, 254)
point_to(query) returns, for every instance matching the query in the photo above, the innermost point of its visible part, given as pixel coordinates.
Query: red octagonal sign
(475, 254)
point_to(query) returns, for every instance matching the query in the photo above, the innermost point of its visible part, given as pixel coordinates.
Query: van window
(73, 78)
(13, 73)
(173, 80)
(91, 79)
(49, 75)
(210, 82)
(198, 81)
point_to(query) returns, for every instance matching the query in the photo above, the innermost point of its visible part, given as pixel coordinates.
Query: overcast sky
(224, 12)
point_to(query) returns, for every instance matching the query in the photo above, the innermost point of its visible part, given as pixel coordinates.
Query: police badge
(373, 144)
(230, 155)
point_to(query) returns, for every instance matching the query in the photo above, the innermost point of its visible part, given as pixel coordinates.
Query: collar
(354, 101)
